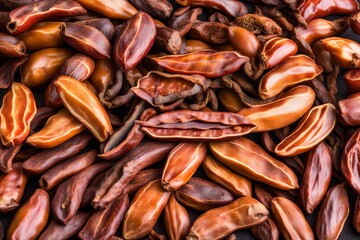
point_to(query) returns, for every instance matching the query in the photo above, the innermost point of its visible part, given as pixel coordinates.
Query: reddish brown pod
(244, 41)
(134, 41)
(355, 22)
(349, 111)
(11, 46)
(352, 80)
(22, 18)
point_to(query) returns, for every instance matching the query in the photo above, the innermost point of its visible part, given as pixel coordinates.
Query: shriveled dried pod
(184, 21)
(354, 22)
(133, 43)
(249, 159)
(161, 9)
(258, 24)
(333, 213)
(25, 16)
(12, 187)
(352, 80)
(31, 218)
(227, 178)
(113, 9)
(314, 127)
(219, 17)
(217, 223)
(176, 218)
(104, 25)
(207, 63)
(210, 32)
(344, 52)
(144, 210)
(290, 220)
(292, 71)
(8, 70)
(59, 128)
(316, 178)
(232, 8)
(356, 215)
(142, 178)
(282, 112)
(244, 41)
(42, 35)
(203, 195)
(181, 164)
(84, 105)
(86, 39)
(41, 66)
(266, 230)
(11, 46)
(17, 111)
(169, 39)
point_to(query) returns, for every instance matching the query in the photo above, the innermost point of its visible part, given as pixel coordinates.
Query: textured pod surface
(207, 63)
(310, 9)
(85, 106)
(183, 21)
(42, 35)
(281, 112)
(290, 220)
(210, 32)
(266, 230)
(259, 24)
(8, 71)
(349, 110)
(11, 46)
(344, 52)
(249, 159)
(86, 39)
(333, 213)
(314, 127)
(176, 218)
(23, 17)
(276, 50)
(244, 41)
(292, 71)
(219, 173)
(203, 195)
(182, 163)
(356, 215)
(161, 9)
(12, 187)
(350, 161)
(41, 66)
(352, 80)
(196, 125)
(31, 218)
(134, 41)
(354, 22)
(17, 111)
(316, 178)
(58, 129)
(217, 223)
(144, 210)
(113, 9)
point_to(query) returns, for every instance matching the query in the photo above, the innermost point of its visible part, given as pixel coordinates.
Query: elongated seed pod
(176, 218)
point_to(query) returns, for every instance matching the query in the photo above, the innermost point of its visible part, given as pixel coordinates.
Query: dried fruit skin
(349, 110)
(219, 222)
(176, 218)
(17, 111)
(352, 80)
(266, 230)
(144, 210)
(290, 220)
(244, 41)
(31, 218)
(85, 106)
(11, 46)
(158, 9)
(315, 126)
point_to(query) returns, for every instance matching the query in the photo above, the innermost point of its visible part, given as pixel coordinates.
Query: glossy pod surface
(176, 218)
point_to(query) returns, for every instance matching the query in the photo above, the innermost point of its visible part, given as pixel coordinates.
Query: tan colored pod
(144, 210)
(84, 105)
(176, 218)
(294, 70)
(41, 66)
(231, 101)
(59, 128)
(290, 220)
(314, 127)
(244, 41)
(235, 183)
(281, 112)
(182, 163)
(17, 111)
(217, 223)
(249, 159)
(42, 35)
(195, 45)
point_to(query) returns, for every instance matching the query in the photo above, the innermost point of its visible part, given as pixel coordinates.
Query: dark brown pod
(203, 195)
(266, 230)
(354, 21)
(352, 80)
(210, 32)
(58, 231)
(11, 46)
(86, 39)
(4, 18)
(133, 42)
(356, 215)
(67, 198)
(316, 177)
(169, 39)
(219, 17)
(142, 178)
(8, 70)
(12, 4)
(48, 158)
(22, 18)
(12, 187)
(333, 213)
(31, 218)
(183, 22)
(104, 25)
(66, 169)
(7, 155)
(258, 24)
(161, 9)
(103, 223)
